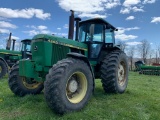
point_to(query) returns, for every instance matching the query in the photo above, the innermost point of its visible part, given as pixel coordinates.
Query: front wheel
(21, 85)
(114, 72)
(68, 86)
(3, 68)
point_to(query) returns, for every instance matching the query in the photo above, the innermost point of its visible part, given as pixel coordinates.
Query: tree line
(142, 51)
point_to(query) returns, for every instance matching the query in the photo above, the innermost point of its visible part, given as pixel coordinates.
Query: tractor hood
(47, 49)
(3, 51)
(60, 41)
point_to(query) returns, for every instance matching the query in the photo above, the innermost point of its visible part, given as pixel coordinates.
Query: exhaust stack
(13, 44)
(9, 42)
(71, 25)
(77, 27)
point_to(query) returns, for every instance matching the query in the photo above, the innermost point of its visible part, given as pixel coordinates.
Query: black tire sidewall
(3, 67)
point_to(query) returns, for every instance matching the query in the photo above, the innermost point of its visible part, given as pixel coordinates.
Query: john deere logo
(35, 48)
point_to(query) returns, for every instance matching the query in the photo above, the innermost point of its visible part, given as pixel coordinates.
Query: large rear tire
(114, 72)
(68, 86)
(21, 85)
(3, 69)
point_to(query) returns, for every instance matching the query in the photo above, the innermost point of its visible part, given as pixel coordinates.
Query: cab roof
(98, 20)
(26, 40)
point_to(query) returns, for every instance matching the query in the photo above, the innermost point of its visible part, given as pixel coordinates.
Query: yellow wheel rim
(30, 84)
(121, 74)
(76, 87)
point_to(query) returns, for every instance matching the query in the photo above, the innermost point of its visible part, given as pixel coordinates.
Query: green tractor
(10, 57)
(67, 68)
(138, 65)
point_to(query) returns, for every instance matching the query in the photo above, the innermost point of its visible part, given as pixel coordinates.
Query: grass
(141, 101)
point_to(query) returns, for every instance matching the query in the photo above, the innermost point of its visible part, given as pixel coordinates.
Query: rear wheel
(68, 86)
(21, 85)
(114, 72)
(3, 68)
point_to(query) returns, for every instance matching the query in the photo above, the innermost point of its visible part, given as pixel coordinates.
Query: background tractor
(138, 65)
(67, 68)
(10, 57)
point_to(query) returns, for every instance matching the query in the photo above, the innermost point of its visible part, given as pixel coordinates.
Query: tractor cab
(96, 33)
(26, 48)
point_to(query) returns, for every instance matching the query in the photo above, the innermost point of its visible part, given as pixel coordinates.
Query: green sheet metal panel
(13, 57)
(62, 41)
(26, 68)
(3, 51)
(37, 50)
(47, 55)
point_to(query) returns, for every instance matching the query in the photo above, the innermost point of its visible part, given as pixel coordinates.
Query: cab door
(95, 40)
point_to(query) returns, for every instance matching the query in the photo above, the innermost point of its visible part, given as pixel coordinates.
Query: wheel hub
(76, 87)
(28, 83)
(73, 86)
(121, 74)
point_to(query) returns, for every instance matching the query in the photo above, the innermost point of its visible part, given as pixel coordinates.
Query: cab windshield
(26, 46)
(91, 32)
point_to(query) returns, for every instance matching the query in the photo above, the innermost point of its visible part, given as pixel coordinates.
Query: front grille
(59, 52)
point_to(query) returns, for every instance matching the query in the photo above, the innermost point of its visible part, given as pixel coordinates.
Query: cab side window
(109, 36)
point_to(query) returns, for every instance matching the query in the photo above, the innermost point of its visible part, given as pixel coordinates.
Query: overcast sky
(136, 19)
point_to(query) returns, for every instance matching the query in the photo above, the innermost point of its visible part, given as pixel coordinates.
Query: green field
(141, 101)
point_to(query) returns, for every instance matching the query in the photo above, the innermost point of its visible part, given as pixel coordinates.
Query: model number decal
(65, 44)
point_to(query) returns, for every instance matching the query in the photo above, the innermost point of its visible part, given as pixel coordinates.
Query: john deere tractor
(10, 57)
(67, 68)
